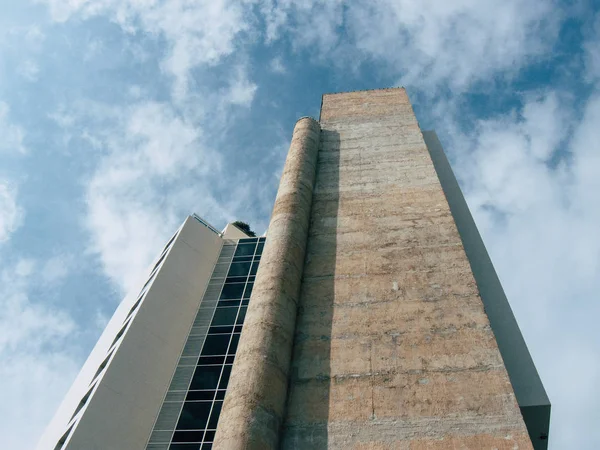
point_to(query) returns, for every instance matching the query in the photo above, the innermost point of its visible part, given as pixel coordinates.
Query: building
(376, 320)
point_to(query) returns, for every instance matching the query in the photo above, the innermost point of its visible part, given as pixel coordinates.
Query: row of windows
(204, 398)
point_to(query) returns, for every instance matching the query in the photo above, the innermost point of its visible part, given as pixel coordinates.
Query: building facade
(376, 319)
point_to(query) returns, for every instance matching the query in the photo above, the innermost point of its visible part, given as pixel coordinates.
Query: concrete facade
(393, 348)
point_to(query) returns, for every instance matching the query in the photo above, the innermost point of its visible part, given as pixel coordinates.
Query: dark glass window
(200, 395)
(259, 248)
(220, 395)
(214, 417)
(205, 377)
(209, 436)
(221, 330)
(254, 268)
(184, 446)
(205, 360)
(215, 344)
(229, 359)
(232, 291)
(188, 436)
(225, 377)
(229, 303)
(245, 249)
(242, 315)
(194, 416)
(239, 269)
(207, 446)
(236, 279)
(234, 343)
(224, 316)
(248, 291)
(248, 240)
(245, 302)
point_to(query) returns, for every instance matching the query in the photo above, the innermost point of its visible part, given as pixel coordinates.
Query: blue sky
(120, 117)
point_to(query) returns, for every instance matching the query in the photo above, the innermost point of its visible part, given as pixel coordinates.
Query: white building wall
(127, 396)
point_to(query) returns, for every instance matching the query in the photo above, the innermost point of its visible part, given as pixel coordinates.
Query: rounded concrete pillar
(254, 405)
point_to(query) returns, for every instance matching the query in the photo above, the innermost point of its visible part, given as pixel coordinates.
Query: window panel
(188, 436)
(225, 377)
(223, 303)
(248, 291)
(236, 279)
(259, 248)
(233, 290)
(239, 269)
(209, 436)
(194, 416)
(224, 316)
(205, 377)
(254, 268)
(215, 344)
(184, 446)
(234, 343)
(220, 395)
(214, 417)
(245, 249)
(221, 330)
(200, 395)
(206, 360)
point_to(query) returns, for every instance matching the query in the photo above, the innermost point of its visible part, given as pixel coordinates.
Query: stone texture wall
(253, 409)
(392, 348)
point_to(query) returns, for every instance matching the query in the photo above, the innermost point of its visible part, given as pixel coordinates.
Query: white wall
(126, 399)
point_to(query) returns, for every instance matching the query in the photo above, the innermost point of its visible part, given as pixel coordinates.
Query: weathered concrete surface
(254, 406)
(393, 349)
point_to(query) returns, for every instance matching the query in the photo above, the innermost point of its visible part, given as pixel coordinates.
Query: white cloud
(37, 366)
(428, 44)
(198, 33)
(12, 135)
(56, 269)
(154, 173)
(276, 65)
(11, 214)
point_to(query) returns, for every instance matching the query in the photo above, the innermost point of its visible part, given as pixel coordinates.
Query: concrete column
(255, 402)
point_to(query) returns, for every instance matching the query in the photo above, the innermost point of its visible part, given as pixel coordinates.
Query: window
(194, 416)
(239, 269)
(205, 377)
(224, 316)
(245, 249)
(215, 344)
(231, 291)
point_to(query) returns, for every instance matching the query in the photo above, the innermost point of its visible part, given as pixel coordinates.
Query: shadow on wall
(307, 413)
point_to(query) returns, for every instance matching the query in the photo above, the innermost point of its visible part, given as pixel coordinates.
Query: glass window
(221, 330)
(239, 269)
(214, 417)
(184, 446)
(224, 316)
(259, 248)
(207, 360)
(234, 343)
(215, 344)
(248, 240)
(234, 290)
(254, 268)
(224, 303)
(221, 395)
(194, 416)
(225, 377)
(188, 436)
(207, 446)
(242, 314)
(248, 291)
(245, 249)
(205, 377)
(200, 395)
(229, 359)
(245, 302)
(236, 279)
(209, 436)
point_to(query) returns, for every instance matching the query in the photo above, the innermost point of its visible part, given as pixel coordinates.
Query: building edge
(527, 385)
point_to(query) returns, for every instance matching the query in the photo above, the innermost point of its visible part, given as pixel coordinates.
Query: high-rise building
(376, 319)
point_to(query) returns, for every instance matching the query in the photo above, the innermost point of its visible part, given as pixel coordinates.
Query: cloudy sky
(120, 117)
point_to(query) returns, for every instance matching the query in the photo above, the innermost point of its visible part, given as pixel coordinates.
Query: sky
(118, 118)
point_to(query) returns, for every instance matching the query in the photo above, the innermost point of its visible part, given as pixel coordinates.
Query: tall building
(376, 319)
